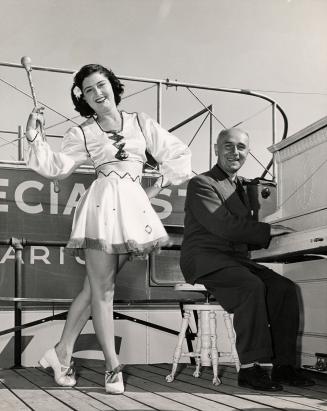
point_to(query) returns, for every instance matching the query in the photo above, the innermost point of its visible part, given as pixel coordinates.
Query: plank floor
(147, 389)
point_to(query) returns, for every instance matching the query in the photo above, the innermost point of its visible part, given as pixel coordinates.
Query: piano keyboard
(299, 245)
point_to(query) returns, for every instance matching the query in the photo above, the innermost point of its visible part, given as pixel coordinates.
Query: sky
(275, 47)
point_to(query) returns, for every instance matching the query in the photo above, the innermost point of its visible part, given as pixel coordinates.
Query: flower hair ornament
(77, 92)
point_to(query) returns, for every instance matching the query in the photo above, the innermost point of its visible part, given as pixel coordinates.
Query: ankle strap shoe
(63, 375)
(113, 381)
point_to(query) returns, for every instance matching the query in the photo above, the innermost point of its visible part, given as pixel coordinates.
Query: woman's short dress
(114, 214)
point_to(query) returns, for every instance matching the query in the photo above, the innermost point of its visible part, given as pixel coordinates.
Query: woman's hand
(35, 123)
(152, 191)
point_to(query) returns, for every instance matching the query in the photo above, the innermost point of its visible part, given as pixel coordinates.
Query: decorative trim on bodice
(117, 139)
(121, 153)
(126, 175)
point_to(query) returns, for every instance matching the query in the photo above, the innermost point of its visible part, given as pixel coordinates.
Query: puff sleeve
(58, 165)
(172, 155)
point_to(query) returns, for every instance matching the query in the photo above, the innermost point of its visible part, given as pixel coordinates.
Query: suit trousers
(265, 308)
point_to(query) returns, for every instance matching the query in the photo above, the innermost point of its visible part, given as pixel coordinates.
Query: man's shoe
(257, 378)
(287, 374)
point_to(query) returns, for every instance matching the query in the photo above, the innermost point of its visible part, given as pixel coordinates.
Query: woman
(114, 219)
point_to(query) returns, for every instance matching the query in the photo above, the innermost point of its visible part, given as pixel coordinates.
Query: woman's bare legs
(78, 315)
(101, 271)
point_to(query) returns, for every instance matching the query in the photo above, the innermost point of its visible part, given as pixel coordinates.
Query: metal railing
(275, 107)
(19, 244)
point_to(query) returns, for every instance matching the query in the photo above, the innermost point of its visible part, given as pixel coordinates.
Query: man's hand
(278, 229)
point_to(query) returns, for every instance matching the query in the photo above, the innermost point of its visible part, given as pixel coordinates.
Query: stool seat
(189, 287)
(203, 307)
(206, 352)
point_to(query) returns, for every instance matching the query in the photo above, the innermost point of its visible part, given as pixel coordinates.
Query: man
(219, 231)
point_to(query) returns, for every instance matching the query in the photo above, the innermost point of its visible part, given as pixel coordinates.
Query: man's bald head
(230, 132)
(232, 149)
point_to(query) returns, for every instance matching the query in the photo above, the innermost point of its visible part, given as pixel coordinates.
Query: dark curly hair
(80, 104)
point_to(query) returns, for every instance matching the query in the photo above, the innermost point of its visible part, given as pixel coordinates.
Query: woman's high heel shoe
(64, 376)
(113, 381)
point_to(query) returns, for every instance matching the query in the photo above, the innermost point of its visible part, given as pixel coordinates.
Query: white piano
(301, 203)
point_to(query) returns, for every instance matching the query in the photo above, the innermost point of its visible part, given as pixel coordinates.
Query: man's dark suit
(219, 231)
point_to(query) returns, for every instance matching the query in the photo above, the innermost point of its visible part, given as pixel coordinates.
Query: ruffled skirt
(115, 215)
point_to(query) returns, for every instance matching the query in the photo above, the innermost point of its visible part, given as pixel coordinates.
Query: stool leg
(231, 337)
(214, 351)
(178, 349)
(205, 338)
(197, 353)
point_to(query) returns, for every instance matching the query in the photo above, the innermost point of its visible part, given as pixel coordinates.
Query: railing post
(210, 136)
(159, 98)
(18, 247)
(20, 143)
(274, 138)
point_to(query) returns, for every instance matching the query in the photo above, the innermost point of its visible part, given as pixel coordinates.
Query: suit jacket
(218, 226)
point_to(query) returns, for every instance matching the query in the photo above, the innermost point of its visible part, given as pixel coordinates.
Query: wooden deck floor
(146, 389)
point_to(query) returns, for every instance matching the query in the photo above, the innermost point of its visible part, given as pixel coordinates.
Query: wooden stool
(206, 352)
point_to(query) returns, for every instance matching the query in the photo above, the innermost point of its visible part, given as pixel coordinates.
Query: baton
(26, 63)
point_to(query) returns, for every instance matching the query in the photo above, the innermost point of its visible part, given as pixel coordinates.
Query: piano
(300, 202)
(300, 199)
